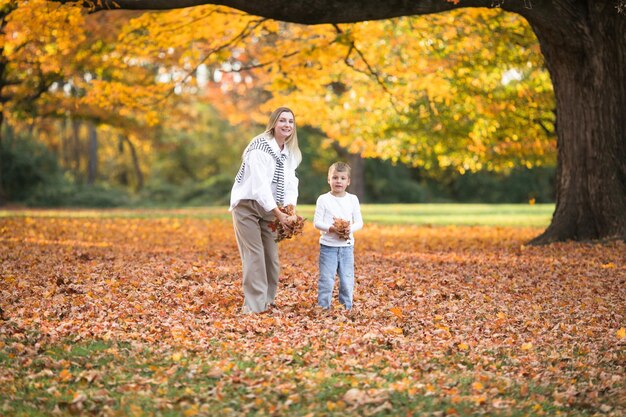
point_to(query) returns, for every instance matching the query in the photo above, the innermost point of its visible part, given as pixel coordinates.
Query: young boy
(337, 217)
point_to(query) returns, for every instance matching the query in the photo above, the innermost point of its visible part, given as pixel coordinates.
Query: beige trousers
(259, 255)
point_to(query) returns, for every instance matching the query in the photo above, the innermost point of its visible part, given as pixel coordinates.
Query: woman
(265, 181)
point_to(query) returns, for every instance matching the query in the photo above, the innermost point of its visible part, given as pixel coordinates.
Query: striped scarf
(260, 143)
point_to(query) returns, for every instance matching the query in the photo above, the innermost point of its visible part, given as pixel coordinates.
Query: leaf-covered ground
(118, 316)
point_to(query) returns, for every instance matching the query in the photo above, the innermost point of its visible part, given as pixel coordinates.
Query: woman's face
(285, 125)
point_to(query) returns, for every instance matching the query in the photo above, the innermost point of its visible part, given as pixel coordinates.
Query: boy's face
(338, 181)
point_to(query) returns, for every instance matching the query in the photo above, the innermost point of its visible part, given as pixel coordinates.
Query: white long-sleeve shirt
(347, 208)
(257, 179)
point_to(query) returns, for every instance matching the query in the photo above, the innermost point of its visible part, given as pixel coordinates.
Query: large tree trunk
(76, 150)
(357, 180)
(3, 196)
(587, 63)
(92, 161)
(357, 170)
(65, 142)
(122, 175)
(133, 153)
(4, 12)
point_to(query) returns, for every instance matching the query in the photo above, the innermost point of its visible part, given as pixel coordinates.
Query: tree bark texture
(584, 44)
(587, 63)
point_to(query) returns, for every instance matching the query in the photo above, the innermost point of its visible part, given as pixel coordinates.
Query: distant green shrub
(211, 192)
(388, 183)
(26, 166)
(519, 186)
(214, 191)
(160, 193)
(69, 195)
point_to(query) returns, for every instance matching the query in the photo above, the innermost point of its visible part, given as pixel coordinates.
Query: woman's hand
(285, 220)
(287, 223)
(290, 222)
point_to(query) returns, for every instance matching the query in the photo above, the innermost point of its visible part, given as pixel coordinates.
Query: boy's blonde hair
(340, 167)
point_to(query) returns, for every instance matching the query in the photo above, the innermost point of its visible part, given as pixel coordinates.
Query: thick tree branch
(319, 11)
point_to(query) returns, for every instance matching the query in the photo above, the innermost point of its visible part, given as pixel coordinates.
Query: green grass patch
(112, 378)
(461, 214)
(517, 215)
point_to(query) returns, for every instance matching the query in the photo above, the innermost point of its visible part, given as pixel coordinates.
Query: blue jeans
(339, 260)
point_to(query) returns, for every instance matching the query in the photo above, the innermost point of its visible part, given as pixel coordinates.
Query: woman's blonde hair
(292, 140)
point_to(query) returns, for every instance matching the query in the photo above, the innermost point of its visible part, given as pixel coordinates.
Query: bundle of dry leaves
(296, 227)
(342, 228)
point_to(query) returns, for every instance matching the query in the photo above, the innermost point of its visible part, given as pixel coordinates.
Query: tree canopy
(442, 100)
